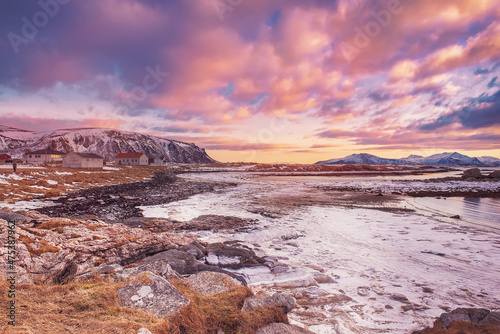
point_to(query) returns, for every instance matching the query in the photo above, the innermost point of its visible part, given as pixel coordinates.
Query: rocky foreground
(160, 268)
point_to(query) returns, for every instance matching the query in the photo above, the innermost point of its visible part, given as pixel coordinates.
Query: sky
(260, 80)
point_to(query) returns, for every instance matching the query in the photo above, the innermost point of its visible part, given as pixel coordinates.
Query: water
(481, 211)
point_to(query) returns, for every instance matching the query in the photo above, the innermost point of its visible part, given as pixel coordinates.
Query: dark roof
(47, 151)
(88, 155)
(5, 157)
(129, 155)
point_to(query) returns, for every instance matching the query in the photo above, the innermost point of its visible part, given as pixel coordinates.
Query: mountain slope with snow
(104, 142)
(443, 159)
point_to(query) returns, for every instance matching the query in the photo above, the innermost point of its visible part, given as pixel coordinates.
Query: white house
(157, 162)
(82, 160)
(131, 159)
(44, 156)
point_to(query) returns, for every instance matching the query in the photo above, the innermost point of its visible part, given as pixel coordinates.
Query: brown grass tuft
(55, 224)
(44, 247)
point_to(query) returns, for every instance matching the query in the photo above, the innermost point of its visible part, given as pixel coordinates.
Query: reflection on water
(483, 211)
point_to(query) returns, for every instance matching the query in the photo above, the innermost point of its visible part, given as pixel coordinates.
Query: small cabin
(130, 159)
(82, 160)
(5, 158)
(46, 156)
(157, 162)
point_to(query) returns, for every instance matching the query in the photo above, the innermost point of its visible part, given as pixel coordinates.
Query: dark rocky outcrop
(473, 173)
(466, 320)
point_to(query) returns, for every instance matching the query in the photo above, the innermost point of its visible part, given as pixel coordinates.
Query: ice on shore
(400, 271)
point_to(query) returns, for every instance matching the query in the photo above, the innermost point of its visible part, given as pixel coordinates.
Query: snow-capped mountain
(490, 161)
(104, 142)
(362, 158)
(443, 159)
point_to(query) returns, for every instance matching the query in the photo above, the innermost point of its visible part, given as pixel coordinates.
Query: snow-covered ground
(400, 271)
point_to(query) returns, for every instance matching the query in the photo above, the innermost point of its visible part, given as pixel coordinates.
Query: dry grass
(24, 185)
(93, 306)
(43, 247)
(208, 314)
(90, 307)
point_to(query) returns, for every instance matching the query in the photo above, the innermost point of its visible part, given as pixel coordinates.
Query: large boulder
(157, 267)
(494, 175)
(185, 263)
(211, 283)
(284, 301)
(280, 328)
(482, 320)
(225, 256)
(473, 173)
(154, 294)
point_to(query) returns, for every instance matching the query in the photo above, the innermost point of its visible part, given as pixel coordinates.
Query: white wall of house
(143, 160)
(158, 162)
(42, 158)
(74, 160)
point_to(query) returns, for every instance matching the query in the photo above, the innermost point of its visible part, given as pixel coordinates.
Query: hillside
(442, 159)
(105, 142)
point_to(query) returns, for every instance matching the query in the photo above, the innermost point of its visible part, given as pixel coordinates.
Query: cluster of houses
(88, 160)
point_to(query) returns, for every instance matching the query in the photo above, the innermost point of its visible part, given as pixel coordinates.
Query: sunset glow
(259, 80)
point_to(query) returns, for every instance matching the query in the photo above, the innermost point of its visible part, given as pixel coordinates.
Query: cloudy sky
(260, 80)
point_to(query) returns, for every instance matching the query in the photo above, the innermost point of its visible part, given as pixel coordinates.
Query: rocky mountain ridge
(442, 159)
(104, 142)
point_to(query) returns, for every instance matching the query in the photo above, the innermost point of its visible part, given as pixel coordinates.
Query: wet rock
(225, 256)
(197, 249)
(210, 283)
(151, 293)
(280, 328)
(473, 173)
(494, 175)
(323, 278)
(296, 283)
(284, 301)
(493, 318)
(399, 297)
(482, 320)
(12, 217)
(426, 289)
(157, 267)
(363, 291)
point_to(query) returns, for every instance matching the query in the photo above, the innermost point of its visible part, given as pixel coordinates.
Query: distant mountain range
(104, 142)
(443, 159)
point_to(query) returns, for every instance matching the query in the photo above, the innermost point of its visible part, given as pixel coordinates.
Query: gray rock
(280, 328)
(158, 267)
(323, 278)
(154, 294)
(225, 256)
(107, 269)
(210, 283)
(494, 174)
(491, 319)
(287, 302)
(196, 249)
(12, 217)
(462, 314)
(473, 173)
(399, 297)
(185, 263)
